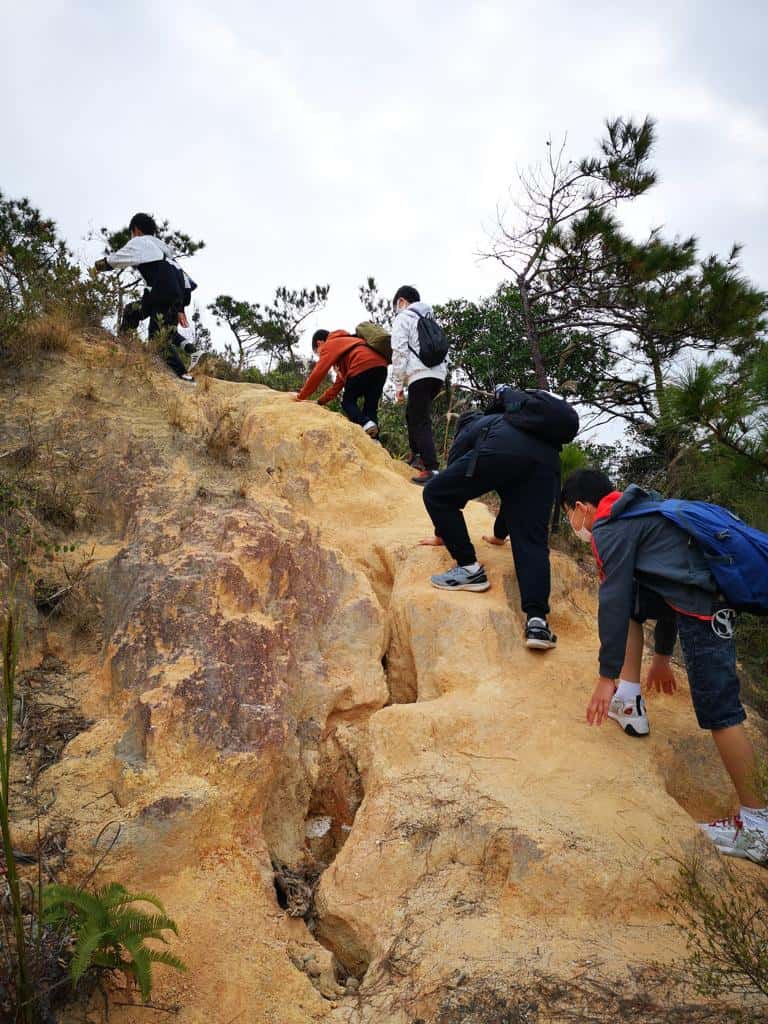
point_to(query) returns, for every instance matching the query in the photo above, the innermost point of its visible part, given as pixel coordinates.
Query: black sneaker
(538, 635)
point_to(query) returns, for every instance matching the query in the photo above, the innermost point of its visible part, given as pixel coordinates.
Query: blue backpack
(737, 553)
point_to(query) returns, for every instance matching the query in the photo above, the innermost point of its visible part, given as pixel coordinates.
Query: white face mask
(582, 533)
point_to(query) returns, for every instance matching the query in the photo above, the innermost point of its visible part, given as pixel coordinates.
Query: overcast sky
(322, 142)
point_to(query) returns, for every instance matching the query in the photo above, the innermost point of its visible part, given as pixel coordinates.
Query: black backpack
(546, 416)
(180, 281)
(433, 344)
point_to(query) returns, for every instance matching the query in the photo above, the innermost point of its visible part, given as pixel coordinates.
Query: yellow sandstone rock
(288, 720)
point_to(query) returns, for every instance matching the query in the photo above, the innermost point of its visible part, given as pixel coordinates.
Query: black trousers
(527, 491)
(367, 385)
(163, 316)
(421, 395)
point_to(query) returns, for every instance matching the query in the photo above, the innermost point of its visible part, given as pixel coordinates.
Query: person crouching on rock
(360, 372)
(490, 454)
(168, 290)
(650, 569)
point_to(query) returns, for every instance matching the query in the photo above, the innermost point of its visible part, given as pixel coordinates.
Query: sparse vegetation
(723, 913)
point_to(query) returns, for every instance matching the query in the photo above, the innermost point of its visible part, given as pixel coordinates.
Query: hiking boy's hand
(597, 710)
(183, 322)
(399, 396)
(100, 265)
(493, 540)
(660, 677)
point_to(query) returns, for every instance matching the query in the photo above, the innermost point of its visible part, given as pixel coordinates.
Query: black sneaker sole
(631, 731)
(540, 645)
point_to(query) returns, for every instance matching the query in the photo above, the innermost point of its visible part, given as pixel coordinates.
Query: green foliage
(725, 403)
(285, 376)
(272, 330)
(648, 304)
(110, 933)
(724, 917)
(558, 197)
(38, 272)
(378, 309)
(489, 347)
(202, 335)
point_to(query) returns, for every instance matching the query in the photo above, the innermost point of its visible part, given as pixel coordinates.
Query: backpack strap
(410, 348)
(476, 451)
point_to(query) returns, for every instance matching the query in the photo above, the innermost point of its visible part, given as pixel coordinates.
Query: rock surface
(356, 794)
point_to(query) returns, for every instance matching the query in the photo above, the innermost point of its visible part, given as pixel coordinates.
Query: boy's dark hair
(586, 485)
(320, 335)
(407, 292)
(143, 223)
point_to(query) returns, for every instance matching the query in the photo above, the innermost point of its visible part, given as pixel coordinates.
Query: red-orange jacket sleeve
(328, 356)
(330, 393)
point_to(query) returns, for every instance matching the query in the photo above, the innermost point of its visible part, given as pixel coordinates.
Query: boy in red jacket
(650, 569)
(360, 371)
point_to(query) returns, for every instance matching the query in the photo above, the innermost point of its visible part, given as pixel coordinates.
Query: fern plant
(110, 932)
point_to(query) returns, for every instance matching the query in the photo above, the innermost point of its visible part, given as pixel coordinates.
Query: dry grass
(223, 441)
(54, 331)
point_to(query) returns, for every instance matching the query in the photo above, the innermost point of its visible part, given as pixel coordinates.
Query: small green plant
(110, 933)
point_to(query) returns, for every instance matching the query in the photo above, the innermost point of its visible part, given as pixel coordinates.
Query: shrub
(723, 914)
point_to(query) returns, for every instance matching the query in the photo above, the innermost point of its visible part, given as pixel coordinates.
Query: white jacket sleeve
(142, 249)
(400, 340)
(129, 256)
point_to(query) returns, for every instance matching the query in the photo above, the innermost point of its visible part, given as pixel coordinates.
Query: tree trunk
(533, 337)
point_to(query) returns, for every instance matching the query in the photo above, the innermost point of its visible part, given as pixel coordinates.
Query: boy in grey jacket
(649, 568)
(423, 383)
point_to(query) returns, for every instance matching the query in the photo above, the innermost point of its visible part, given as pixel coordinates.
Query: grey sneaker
(459, 578)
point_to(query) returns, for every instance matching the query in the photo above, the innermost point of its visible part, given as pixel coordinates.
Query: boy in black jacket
(489, 454)
(649, 568)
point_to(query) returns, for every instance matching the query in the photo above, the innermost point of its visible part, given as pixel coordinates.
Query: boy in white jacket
(168, 288)
(423, 383)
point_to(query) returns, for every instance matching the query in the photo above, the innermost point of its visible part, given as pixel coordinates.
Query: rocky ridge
(358, 796)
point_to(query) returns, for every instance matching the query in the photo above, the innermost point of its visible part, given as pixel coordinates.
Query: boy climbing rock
(422, 382)
(168, 288)
(360, 371)
(490, 454)
(651, 569)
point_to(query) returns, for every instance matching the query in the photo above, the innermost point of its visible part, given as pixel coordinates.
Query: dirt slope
(273, 686)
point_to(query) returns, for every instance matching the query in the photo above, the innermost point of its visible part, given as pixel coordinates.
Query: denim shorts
(710, 661)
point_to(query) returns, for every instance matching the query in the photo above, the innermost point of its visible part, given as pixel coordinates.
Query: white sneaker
(371, 429)
(187, 378)
(734, 840)
(630, 715)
